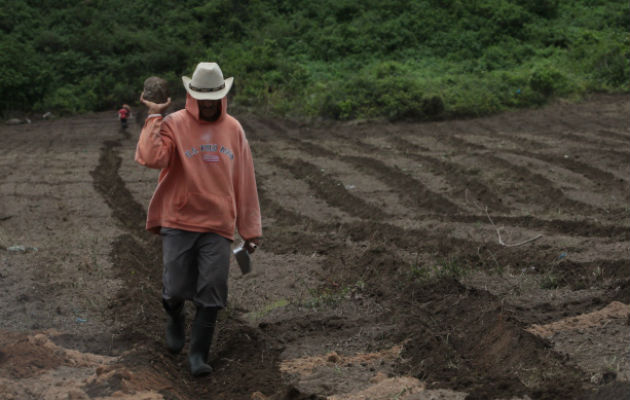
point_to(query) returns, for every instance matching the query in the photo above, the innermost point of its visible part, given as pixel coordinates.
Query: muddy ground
(470, 259)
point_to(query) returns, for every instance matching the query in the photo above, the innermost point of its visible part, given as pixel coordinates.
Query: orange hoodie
(207, 181)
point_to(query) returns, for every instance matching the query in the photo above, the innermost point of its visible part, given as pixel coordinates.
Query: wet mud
(477, 259)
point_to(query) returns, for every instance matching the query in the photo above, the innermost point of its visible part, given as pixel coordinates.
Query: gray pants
(196, 267)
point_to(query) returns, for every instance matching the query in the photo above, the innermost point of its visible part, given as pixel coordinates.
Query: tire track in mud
(134, 250)
(574, 144)
(475, 253)
(373, 228)
(333, 192)
(288, 231)
(483, 194)
(417, 196)
(597, 175)
(483, 375)
(454, 174)
(292, 237)
(566, 119)
(583, 228)
(450, 139)
(487, 353)
(325, 185)
(551, 196)
(529, 183)
(623, 139)
(415, 193)
(556, 123)
(136, 258)
(480, 190)
(554, 126)
(558, 130)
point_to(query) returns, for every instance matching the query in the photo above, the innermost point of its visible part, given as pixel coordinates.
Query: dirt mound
(614, 310)
(33, 366)
(477, 259)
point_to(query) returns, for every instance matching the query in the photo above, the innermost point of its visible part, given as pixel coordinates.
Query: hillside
(339, 59)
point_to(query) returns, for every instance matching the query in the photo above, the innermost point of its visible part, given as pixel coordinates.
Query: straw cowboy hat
(207, 82)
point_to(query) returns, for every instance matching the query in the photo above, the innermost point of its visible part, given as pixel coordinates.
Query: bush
(388, 90)
(402, 59)
(611, 63)
(544, 8)
(23, 75)
(548, 81)
(70, 99)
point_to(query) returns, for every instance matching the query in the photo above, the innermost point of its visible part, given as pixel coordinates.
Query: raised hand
(155, 108)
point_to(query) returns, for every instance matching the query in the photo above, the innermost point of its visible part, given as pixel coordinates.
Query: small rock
(21, 249)
(258, 396)
(156, 90)
(600, 378)
(14, 121)
(333, 357)
(379, 377)
(77, 395)
(17, 248)
(124, 374)
(47, 115)
(609, 376)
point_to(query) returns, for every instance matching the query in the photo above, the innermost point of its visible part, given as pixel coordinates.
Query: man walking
(206, 189)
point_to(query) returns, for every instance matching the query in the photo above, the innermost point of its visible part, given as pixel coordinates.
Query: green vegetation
(261, 312)
(449, 268)
(549, 281)
(342, 59)
(331, 296)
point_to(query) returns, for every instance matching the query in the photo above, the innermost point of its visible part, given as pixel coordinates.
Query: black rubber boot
(175, 326)
(200, 340)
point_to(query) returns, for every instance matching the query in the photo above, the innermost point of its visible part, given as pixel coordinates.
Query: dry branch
(500, 228)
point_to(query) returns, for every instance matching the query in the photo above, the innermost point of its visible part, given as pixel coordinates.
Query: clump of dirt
(614, 310)
(462, 338)
(305, 365)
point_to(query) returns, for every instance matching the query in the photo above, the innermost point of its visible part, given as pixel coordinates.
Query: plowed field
(469, 259)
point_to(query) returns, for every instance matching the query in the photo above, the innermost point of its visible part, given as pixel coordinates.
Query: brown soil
(473, 259)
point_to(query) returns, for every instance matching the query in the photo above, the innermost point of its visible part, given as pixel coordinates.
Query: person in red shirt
(206, 189)
(123, 114)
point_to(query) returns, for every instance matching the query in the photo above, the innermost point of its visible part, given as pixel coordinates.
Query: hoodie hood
(192, 106)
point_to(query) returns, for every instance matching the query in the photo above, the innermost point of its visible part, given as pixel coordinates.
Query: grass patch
(445, 268)
(266, 309)
(331, 297)
(549, 281)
